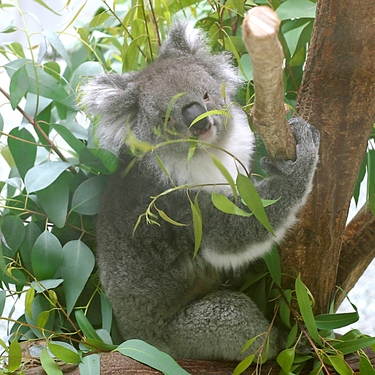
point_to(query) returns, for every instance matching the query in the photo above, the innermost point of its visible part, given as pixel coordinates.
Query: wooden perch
(260, 33)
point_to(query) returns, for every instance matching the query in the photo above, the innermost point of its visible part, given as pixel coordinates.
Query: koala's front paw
(307, 146)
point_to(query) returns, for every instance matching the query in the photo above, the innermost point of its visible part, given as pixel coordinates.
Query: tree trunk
(337, 96)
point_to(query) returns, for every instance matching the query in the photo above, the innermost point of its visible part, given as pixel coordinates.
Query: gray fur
(158, 291)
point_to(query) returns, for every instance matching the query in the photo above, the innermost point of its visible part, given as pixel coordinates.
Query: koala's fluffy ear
(183, 39)
(114, 98)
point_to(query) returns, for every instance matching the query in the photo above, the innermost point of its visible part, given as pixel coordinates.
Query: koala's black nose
(191, 112)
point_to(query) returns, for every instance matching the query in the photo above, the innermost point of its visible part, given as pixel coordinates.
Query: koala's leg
(217, 327)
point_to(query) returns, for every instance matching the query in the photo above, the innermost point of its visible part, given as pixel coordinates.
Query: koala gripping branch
(260, 33)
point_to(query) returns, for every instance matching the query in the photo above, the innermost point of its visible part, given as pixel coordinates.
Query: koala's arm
(290, 183)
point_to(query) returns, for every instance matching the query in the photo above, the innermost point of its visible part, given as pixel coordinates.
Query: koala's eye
(206, 97)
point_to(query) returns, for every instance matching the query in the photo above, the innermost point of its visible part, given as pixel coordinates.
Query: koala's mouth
(206, 134)
(197, 132)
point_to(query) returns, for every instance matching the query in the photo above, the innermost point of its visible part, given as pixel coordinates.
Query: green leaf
(43, 4)
(272, 260)
(220, 166)
(149, 355)
(42, 175)
(43, 285)
(197, 224)
(54, 199)
(30, 295)
(244, 365)
(371, 179)
(334, 321)
(86, 198)
(365, 366)
(304, 304)
(48, 364)
(86, 69)
(106, 310)
(222, 203)
(99, 160)
(23, 152)
(55, 42)
(3, 296)
(351, 346)
(46, 256)
(15, 356)
(32, 232)
(339, 365)
(69, 138)
(14, 232)
(86, 327)
(296, 9)
(78, 263)
(19, 84)
(44, 85)
(64, 351)
(90, 365)
(286, 358)
(252, 200)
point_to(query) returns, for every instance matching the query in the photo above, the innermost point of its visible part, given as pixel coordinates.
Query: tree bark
(337, 96)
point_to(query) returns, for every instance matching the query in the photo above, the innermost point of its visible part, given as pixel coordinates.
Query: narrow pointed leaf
(252, 200)
(48, 364)
(149, 355)
(19, 84)
(222, 203)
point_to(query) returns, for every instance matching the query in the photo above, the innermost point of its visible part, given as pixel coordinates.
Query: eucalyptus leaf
(78, 263)
(41, 84)
(90, 365)
(14, 356)
(42, 175)
(304, 304)
(46, 256)
(149, 355)
(13, 231)
(54, 199)
(23, 148)
(19, 84)
(296, 9)
(86, 198)
(64, 351)
(56, 43)
(48, 363)
(222, 203)
(252, 200)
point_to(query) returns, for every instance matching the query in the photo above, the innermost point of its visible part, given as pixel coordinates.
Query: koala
(160, 292)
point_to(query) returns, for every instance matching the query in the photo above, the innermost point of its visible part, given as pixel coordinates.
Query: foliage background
(51, 196)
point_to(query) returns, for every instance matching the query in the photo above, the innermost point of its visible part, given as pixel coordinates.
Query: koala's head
(185, 74)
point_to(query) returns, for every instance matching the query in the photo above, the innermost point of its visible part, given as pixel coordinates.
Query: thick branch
(357, 252)
(337, 96)
(260, 33)
(117, 364)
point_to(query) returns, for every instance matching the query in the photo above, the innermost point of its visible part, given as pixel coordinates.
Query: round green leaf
(86, 199)
(46, 256)
(55, 198)
(23, 152)
(90, 365)
(14, 232)
(42, 175)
